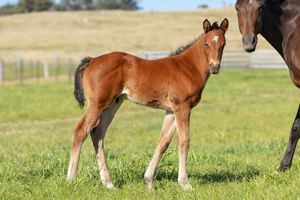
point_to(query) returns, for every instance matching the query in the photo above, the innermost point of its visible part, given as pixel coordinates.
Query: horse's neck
(271, 31)
(276, 29)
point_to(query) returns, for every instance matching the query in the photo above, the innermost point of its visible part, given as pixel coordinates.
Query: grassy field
(78, 34)
(238, 135)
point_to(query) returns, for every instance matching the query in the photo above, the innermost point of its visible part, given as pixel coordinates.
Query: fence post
(225, 60)
(19, 60)
(1, 73)
(21, 71)
(70, 70)
(46, 68)
(37, 71)
(250, 61)
(56, 60)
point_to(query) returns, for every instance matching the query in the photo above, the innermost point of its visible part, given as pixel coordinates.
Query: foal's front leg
(182, 115)
(163, 142)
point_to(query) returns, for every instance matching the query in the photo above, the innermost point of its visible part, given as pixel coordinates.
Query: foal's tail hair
(78, 92)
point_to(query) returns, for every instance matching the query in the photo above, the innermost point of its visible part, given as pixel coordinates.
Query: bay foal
(174, 84)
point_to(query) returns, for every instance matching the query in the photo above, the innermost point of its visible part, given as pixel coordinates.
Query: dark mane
(182, 48)
(214, 26)
(274, 5)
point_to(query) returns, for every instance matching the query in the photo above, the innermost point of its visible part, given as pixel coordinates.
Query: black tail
(78, 92)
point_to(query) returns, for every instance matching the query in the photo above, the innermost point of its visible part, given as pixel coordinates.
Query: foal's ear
(224, 25)
(206, 26)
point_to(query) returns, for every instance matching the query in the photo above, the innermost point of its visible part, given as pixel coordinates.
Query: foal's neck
(196, 56)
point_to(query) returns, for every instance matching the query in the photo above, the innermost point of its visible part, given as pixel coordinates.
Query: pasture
(37, 36)
(238, 136)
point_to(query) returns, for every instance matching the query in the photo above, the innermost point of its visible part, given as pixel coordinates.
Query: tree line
(26, 6)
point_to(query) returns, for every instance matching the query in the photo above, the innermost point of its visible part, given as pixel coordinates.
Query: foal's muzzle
(249, 42)
(214, 68)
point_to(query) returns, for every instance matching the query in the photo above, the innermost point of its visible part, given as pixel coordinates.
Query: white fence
(260, 59)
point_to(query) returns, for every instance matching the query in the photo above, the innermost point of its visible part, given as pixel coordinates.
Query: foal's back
(156, 83)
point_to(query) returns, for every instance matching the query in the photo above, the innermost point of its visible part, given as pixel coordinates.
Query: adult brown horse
(278, 21)
(174, 84)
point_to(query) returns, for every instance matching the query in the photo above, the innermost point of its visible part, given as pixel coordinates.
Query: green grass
(238, 136)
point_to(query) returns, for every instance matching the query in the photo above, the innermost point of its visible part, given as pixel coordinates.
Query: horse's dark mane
(274, 5)
(182, 48)
(271, 3)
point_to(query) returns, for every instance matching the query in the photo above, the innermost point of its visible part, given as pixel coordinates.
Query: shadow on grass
(228, 176)
(213, 177)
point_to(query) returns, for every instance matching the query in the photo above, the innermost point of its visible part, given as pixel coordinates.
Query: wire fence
(38, 71)
(58, 69)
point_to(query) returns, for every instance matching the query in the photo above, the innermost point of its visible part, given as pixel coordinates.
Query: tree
(88, 4)
(25, 5)
(42, 5)
(34, 5)
(117, 5)
(72, 4)
(203, 6)
(7, 9)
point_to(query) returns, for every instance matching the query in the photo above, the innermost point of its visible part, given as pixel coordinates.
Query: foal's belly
(149, 99)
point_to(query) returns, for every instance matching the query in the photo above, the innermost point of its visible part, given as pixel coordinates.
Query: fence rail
(24, 70)
(260, 59)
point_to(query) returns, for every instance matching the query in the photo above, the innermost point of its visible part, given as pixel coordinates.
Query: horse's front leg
(182, 115)
(162, 145)
(286, 161)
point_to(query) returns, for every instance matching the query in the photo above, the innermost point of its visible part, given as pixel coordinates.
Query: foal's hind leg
(163, 143)
(98, 140)
(81, 130)
(293, 139)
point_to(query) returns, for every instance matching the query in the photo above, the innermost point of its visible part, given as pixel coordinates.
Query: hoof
(110, 186)
(186, 186)
(69, 180)
(283, 168)
(149, 186)
(148, 182)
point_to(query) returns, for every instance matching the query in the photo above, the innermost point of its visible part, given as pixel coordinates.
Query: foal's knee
(184, 144)
(295, 132)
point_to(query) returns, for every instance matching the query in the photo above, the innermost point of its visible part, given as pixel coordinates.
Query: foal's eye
(206, 45)
(237, 9)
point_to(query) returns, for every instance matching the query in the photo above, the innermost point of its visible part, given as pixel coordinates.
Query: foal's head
(214, 43)
(249, 13)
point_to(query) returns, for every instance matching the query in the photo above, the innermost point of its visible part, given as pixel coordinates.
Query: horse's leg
(182, 115)
(98, 141)
(81, 131)
(163, 142)
(286, 161)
